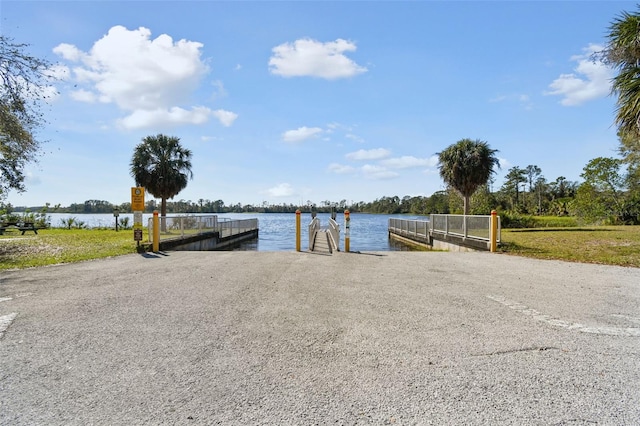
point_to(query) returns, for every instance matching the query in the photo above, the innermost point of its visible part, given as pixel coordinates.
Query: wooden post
(156, 232)
(347, 230)
(298, 230)
(493, 237)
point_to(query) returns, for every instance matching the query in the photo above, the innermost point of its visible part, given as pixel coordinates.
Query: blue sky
(285, 102)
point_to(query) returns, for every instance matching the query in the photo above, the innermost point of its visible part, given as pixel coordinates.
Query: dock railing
(314, 226)
(457, 228)
(477, 227)
(413, 229)
(182, 226)
(334, 234)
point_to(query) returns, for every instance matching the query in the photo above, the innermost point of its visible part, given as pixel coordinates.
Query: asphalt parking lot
(299, 338)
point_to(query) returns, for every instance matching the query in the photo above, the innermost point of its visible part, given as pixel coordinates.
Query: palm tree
(623, 53)
(162, 166)
(466, 165)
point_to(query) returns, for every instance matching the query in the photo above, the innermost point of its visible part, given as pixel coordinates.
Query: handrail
(475, 227)
(314, 226)
(334, 234)
(410, 228)
(466, 227)
(181, 226)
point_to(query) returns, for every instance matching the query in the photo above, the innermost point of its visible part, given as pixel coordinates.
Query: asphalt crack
(527, 349)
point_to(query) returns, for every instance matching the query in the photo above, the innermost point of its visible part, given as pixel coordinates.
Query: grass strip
(610, 245)
(52, 246)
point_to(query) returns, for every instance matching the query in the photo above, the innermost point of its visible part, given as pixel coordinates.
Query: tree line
(609, 194)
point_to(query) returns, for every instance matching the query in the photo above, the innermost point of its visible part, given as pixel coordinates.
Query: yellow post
(347, 230)
(493, 237)
(156, 232)
(297, 230)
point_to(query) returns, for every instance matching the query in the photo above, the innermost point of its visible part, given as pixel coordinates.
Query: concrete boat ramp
(299, 338)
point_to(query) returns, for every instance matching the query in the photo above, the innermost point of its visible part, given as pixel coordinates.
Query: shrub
(516, 220)
(124, 222)
(72, 222)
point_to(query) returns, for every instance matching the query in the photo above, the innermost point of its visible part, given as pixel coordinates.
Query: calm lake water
(278, 230)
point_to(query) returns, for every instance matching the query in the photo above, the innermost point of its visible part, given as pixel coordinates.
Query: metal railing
(470, 226)
(474, 227)
(314, 226)
(416, 229)
(334, 234)
(174, 227)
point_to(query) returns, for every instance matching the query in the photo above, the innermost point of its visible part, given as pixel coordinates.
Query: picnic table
(20, 226)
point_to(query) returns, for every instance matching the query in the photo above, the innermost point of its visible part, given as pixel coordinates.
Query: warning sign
(137, 199)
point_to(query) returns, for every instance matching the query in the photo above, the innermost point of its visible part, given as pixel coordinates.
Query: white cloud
(301, 134)
(341, 168)
(226, 118)
(591, 80)
(218, 90)
(69, 52)
(280, 190)
(148, 78)
(504, 163)
(377, 172)
(32, 180)
(49, 93)
(523, 99)
(331, 127)
(83, 96)
(431, 172)
(407, 161)
(306, 57)
(58, 72)
(499, 98)
(43, 90)
(367, 155)
(354, 138)
(141, 119)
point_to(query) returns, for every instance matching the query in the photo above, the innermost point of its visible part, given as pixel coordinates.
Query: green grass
(53, 246)
(611, 245)
(554, 221)
(511, 220)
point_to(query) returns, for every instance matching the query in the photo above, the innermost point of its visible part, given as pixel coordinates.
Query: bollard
(156, 232)
(493, 237)
(347, 230)
(297, 230)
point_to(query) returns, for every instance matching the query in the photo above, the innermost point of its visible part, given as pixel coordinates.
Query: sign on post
(137, 206)
(137, 226)
(137, 199)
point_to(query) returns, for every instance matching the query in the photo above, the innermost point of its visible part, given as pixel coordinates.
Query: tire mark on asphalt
(5, 322)
(627, 317)
(548, 319)
(527, 349)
